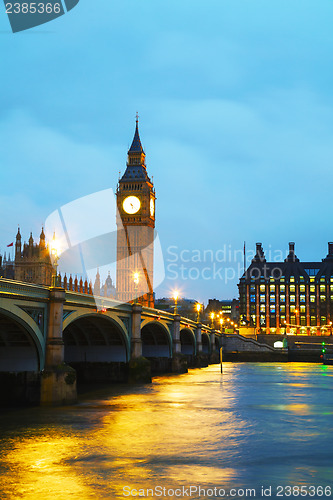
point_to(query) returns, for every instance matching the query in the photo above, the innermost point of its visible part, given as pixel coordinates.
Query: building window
(303, 321)
(302, 309)
(292, 298)
(292, 288)
(323, 298)
(312, 298)
(313, 320)
(272, 298)
(322, 288)
(272, 288)
(292, 309)
(283, 309)
(292, 279)
(262, 288)
(302, 288)
(323, 320)
(302, 298)
(312, 288)
(262, 308)
(262, 298)
(253, 288)
(282, 288)
(322, 279)
(282, 298)
(272, 308)
(301, 278)
(252, 298)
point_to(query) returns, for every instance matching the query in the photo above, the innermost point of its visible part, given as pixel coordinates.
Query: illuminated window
(262, 308)
(331, 297)
(262, 288)
(322, 288)
(292, 309)
(272, 298)
(292, 279)
(323, 320)
(331, 288)
(283, 309)
(282, 279)
(292, 298)
(312, 298)
(252, 298)
(323, 298)
(302, 298)
(282, 298)
(303, 320)
(272, 308)
(302, 309)
(313, 320)
(312, 280)
(282, 288)
(292, 288)
(302, 288)
(262, 298)
(272, 288)
(312, 288)
(322, 279)
(301, 278)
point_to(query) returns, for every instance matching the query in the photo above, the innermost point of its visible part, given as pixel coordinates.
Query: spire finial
(137, 117)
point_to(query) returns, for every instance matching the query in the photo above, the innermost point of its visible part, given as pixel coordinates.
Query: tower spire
(136, 146)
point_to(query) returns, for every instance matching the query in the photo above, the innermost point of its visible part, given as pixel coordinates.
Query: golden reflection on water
(198, 428)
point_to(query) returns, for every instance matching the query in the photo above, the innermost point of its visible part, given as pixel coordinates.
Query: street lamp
(175, 296)
(136, 283)
(198, 308)
(55, 255)
(212, 316)
(221, 323)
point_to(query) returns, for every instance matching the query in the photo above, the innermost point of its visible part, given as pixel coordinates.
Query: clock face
(131, 204)
(152, 207)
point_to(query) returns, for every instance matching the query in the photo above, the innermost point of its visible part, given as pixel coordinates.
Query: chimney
(258, 248)
(330, 248)
(291, 247)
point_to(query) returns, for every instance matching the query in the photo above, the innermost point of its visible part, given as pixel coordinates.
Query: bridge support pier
(214, 354)
(58, 380)
(139, 367)
(179, 362)
(201, 359)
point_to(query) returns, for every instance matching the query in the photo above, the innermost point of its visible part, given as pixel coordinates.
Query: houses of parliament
(135, 242)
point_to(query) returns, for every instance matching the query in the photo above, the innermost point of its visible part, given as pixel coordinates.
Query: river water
(260, 427)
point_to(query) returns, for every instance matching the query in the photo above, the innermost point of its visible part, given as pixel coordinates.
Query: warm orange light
(198, 307)
(175, 295)
(136, 278)
(221, 321)
(212, 315)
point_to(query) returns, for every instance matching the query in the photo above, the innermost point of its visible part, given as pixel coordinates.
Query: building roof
(136, 146)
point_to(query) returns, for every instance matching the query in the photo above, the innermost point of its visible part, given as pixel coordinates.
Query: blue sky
(235, 103)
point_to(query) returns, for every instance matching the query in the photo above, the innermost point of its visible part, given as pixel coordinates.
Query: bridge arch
(21, 342)
(205, 340)
(156, 340)
(187, 340)
(95, 337)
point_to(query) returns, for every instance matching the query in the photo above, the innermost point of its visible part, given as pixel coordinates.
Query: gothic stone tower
(135, 228)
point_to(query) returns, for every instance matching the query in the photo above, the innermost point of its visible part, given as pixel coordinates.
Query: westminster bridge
(43, 330)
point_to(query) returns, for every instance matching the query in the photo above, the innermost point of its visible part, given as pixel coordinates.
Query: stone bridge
(43, 329)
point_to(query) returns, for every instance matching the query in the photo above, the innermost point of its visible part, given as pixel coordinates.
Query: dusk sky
(236, 119)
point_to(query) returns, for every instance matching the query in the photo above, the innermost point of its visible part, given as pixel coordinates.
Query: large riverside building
(288, 297)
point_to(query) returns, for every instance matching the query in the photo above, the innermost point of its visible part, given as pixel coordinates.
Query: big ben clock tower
(135, 228)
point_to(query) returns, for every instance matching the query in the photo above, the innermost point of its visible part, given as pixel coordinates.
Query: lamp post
(221, 323)
(175, 296)
(212, 316)
(136, 283)
(198, 308)
(55, 255)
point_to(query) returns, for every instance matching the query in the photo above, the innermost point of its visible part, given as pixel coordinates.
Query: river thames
(257, 430)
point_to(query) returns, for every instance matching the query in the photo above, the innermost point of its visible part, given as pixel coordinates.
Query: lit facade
(288, 297)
